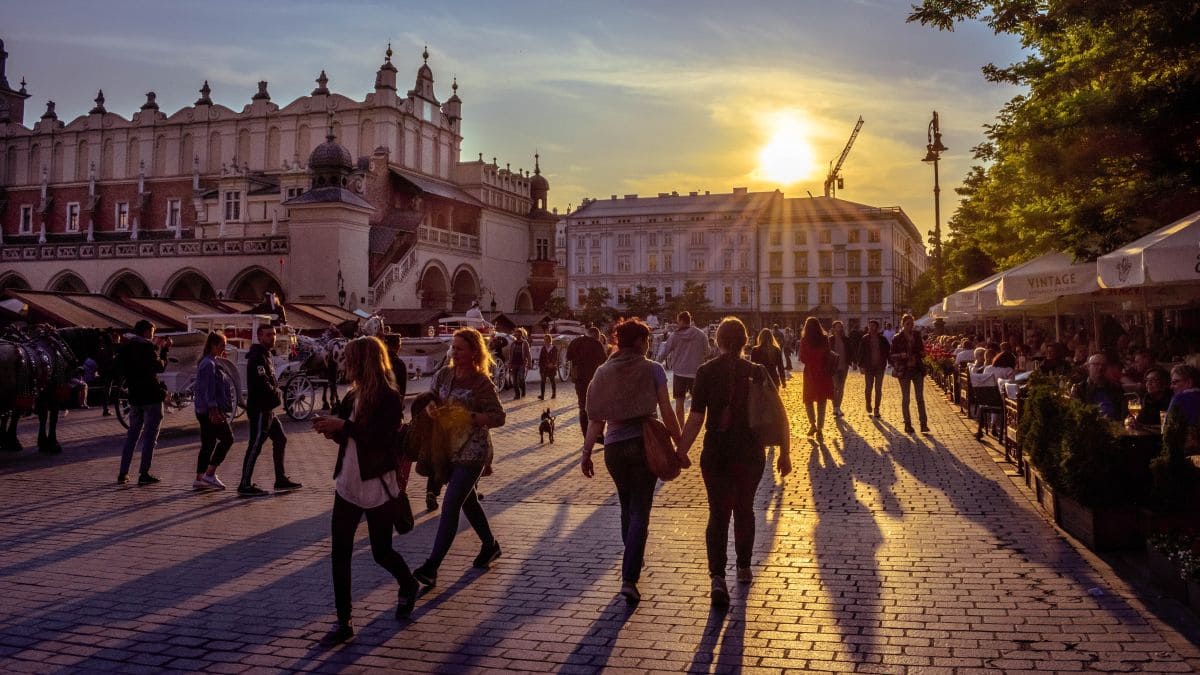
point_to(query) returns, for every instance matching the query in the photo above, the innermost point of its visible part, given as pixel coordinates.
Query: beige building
(759, 255)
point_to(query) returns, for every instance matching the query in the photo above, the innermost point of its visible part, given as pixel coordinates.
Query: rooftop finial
(329, 136)
(49, 114)
(425, 54)
(204, 95)
(537, 169)
(321, 89)
(22, 86)
(262, 92)
(454, 86)
(387, 56)
(99, 109)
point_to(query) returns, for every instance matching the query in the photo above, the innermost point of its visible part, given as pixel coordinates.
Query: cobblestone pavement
(882, 552)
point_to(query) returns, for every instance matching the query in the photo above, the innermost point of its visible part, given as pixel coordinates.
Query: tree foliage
(556, 307)
(694, 299)
(643, 302)
(1103, 146)
(596, 309)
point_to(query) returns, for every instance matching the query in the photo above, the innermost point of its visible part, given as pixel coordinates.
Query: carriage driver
(262, 397)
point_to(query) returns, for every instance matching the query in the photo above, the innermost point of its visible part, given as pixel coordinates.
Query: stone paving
(881, 553)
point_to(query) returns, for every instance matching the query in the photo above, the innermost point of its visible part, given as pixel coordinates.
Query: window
(744, 263)
(728, 295)
(233, 206)
(826, 236)
(697, 263)
(874, 294)
(294, 192)
(623, 294)
(652, 239)
(825, 293)
(580, 296)
(839, 261)
(852, 236)
(580, 265)
(801, 293)
(775, 262)
(874, 262)
(698, 238)
(668, 293)
(73, 217)
(667, 266)
(873, 236)
(799, 237)
(668, 239)
(623, 263)
(122, 215)
(174, 212)
(776, 237)
(800, 263)
(825, 263)
(26, 225)
(744, 295)
(595, 264)
(727, 261)
(623, 239)
(854, 294)
(854, 263)
(652, 263)
(775, 294)
(543, 248)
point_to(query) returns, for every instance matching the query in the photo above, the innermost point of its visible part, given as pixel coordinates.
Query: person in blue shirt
(1099, 391)
(214, 408)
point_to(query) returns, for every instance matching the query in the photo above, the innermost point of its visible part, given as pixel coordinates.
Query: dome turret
(330, 162)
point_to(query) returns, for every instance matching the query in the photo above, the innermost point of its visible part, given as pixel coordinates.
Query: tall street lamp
(933, 152)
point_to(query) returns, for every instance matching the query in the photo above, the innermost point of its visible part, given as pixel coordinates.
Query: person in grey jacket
(686, 349)
(214, 407)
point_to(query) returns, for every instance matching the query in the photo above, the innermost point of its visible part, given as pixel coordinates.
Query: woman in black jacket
(366, 475)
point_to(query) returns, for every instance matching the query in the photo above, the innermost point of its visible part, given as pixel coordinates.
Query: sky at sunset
(637, 97)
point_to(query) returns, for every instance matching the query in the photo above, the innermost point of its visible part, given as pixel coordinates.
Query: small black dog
(546, 427)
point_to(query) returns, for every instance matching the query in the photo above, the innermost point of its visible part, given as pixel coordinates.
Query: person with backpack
(733, 459)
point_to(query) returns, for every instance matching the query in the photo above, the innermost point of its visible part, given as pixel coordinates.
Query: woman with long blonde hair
(465, 382)
(366, 475)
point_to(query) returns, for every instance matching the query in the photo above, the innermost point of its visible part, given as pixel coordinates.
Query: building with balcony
(210, 202)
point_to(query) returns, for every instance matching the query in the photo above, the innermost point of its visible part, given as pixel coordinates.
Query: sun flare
(788, 156)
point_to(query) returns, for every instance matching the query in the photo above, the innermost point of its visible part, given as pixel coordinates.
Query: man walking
(687, 348)
(840, 346)
(262, 397)
(140, 359)
(585, 354)
(908, 364)
(872, 361)
(784, 345)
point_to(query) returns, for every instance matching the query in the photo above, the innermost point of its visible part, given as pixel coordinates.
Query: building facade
(205, 202)
(758, 255)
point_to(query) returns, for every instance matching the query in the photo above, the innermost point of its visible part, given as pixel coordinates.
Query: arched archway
(524, 301)
(466, 288)
(253, 283)
(13, 281)
(189, 284)
(434, 288)
(126, 284)
(67, 282)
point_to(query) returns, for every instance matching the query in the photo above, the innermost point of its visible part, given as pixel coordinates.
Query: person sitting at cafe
(965, 354)
(1099, 390)
(980, 361)
(1134, 377)
(1157, 398)
(1056, 362)
(1006, 358)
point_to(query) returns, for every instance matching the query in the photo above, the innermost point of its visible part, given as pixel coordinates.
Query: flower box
(1044, 494)
(1166, 574)
(1100, 529)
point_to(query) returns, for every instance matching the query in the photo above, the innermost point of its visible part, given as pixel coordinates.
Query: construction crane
(834, 182)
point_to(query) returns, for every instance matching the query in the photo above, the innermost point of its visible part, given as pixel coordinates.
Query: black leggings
(215, 441)
(343, 525)
(732, 469)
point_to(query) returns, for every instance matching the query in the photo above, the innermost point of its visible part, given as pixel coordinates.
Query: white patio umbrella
(1167, 255)
(1045, 279)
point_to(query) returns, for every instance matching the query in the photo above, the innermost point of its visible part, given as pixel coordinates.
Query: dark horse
(36, 366)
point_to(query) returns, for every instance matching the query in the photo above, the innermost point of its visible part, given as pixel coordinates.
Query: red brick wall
(153, 217)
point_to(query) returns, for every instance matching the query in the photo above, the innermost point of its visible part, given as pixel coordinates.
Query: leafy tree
(693, 299)
(556, 307)
(643, 302)
(1102, 146)
(596, 309)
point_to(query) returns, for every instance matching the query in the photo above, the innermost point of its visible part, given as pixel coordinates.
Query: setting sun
(788, 156)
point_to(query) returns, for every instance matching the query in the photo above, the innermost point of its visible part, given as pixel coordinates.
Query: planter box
(1103, 529)
(1045, 495)
(1166, 575)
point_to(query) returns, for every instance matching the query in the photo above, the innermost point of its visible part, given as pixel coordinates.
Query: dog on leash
(546, 427)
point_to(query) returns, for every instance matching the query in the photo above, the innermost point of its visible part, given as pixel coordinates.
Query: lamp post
(933, 153)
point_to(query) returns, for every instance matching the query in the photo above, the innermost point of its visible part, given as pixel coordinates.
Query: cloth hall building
(323, 198)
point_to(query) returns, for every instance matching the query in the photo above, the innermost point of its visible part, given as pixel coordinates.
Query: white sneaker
(213, 481)
(200, 485)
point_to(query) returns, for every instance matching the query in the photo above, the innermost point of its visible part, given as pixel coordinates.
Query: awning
(58, 310)
(198, 306)
(1167, 255)
(106, 306)
(162, 309)
(1044, 279)
(339, 313)
(520, 319)
(237, 306)
(435, 187)
(401, 317)
(315, 312)
(300, 320)
(977, 297)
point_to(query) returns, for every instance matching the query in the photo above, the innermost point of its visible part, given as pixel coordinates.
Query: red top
(818, 380)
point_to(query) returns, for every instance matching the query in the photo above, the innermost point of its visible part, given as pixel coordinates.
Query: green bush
(1040, 431)
(1089, 460)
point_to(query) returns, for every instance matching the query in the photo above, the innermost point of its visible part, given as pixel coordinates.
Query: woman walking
(768, 354)
(732, 460)
(548, 366)
(818, 374)
(520, 358)
(624, 392)
(465, 382)
(214, 407)
(366, 475)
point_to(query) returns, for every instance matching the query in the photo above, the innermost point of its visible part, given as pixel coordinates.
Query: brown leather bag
(660, 449)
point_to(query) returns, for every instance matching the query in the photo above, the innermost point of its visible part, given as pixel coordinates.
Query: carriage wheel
(500, 377)
(235, 390)
(564, 371)
(121, 404)
(299, 397)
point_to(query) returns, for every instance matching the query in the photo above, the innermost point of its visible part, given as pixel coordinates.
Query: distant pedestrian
(818, 374)
(888, 332)
(214, 408)
(853, 337)
(399, 369)
(768, 354)
(627, 389)
(466, 382)
(687, 348)
(262, 398)
(840, 346)
(367, 475)
(140, 359)
(548, 366)
(873, 361)
(520, 359)
(585, 354)
(908, 365)
(781, 339)
(732, 460)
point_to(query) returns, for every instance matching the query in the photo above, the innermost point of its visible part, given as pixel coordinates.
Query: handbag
(660, 449)
(768, 419)
(831, 361)
(398, 508)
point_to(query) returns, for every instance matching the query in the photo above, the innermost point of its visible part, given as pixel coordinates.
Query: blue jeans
(873, 378)
(144, 421)
(263, 425)
(918, 387)
(626, 463)
(460, 496)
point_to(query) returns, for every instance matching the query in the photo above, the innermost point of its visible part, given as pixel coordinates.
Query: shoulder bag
(660, 450)
(768, 419)
(398, 508)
